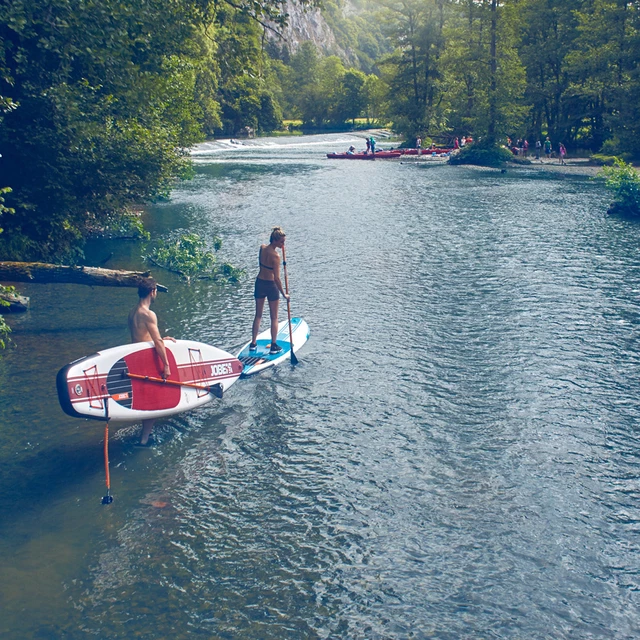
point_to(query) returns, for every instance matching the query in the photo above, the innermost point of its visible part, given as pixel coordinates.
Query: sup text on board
(221, 369)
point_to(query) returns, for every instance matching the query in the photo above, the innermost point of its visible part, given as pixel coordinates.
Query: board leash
(108, 499)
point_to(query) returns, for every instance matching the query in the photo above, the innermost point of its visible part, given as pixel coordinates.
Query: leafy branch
(189, 257)
(5, 330)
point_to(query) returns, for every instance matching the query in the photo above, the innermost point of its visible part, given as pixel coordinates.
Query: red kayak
(364, 156)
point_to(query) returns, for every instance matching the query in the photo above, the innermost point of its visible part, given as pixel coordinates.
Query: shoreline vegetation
(99, 105)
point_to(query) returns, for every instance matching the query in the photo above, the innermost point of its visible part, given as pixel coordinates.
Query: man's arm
(154, 332)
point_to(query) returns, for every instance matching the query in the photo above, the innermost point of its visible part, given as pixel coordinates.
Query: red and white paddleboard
(125, 384)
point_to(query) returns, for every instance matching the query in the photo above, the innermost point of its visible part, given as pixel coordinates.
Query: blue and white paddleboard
(255, 361)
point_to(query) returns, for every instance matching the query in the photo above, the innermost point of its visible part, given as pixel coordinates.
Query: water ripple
(455, 456)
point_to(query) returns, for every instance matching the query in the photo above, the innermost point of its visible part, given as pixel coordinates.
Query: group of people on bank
(459, 143)
(521, 148)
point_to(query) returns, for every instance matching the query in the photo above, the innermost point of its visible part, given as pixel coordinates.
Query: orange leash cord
(108, 499)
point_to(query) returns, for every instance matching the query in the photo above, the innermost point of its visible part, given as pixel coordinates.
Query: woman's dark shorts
(266, 289)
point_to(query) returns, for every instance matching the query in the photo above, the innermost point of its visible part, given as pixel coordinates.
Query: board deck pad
(148, 397)
(104, 385)
(260, 359)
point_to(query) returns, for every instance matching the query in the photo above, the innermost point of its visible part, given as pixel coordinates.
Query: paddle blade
(294, 360)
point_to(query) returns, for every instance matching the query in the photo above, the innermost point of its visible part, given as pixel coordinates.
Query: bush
(519, 160)
(483, 154)
(188, 256)
(605, 160)
(623, 180)
(611, 147)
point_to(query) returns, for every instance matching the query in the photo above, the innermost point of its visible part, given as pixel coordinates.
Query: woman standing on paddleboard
(268, 286)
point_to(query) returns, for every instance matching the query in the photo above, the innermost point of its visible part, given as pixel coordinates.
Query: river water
(455, 456)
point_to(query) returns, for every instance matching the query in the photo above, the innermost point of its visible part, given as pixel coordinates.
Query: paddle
(215, 389)
(294, 360)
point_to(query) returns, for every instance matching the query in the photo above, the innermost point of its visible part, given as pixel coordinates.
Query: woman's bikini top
(260, 261)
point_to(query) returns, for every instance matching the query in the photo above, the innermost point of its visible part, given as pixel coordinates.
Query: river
(456, 455)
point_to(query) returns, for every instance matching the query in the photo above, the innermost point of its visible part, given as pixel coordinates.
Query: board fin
(217, 390)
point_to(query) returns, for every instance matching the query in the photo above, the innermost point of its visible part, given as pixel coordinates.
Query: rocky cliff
(308, 24)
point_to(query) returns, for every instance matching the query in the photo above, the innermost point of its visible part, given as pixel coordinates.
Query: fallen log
(55, 273)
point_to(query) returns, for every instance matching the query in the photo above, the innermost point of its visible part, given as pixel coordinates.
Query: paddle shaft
(294, 360)
(173, 382)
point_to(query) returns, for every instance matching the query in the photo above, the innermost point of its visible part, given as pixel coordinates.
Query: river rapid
(455, 456)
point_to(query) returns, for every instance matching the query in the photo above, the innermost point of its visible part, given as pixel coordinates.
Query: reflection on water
(455, 456)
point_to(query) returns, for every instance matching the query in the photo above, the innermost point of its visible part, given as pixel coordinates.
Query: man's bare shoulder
(143, 324)
(143, 314)
(149, 315)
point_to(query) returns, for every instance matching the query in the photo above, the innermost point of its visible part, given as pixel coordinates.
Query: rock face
(308, 25)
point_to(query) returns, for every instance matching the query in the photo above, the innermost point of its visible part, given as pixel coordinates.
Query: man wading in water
(143, 325)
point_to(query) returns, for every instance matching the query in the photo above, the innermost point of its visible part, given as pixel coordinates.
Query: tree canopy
(101, 101)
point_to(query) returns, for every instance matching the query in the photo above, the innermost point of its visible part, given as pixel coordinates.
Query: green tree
(331, 72)
(107, 108)
(376, 96)
(352, 98)
(413, 71)
(548, 34)
(301, 83)
(484, 75)
(6, 105)
(605, 73)
(623, 180)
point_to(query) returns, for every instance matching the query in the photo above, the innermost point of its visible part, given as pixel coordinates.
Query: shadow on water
(45, 474)
(26, 331)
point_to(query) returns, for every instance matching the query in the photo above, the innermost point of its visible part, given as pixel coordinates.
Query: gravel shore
(572, 166)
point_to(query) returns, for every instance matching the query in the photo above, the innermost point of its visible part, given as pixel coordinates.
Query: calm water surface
(455, 456)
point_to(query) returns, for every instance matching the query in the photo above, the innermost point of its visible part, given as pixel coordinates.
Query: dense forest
(100, 101)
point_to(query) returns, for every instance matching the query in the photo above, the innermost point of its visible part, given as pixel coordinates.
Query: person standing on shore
(563, 152)
(547, 148)
(143, 326)
(538, 148)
